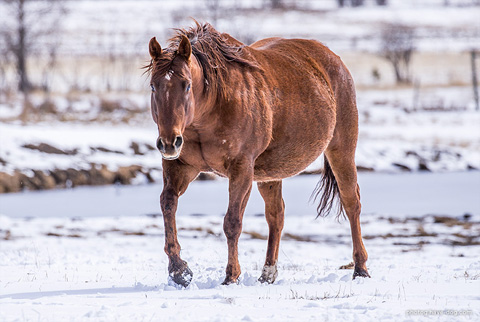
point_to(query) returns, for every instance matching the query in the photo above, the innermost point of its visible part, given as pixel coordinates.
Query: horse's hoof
(230, 280)
(182, 276)
(269, 274)
(362, 272)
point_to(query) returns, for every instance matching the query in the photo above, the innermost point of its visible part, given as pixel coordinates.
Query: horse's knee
(167, 198)
(232, 226)
(353, 210)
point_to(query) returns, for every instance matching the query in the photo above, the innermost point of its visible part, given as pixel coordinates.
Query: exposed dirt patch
(138, 147)
(102, 149)
(208, 231)
(402, 167)
(452, 221)
(121, 232)
(350, 265)
(50, 234)
(5, 234)
(364, 169)
(49, 149)
(289, 236)
(67, 178)
(255, 235)
(427, 232)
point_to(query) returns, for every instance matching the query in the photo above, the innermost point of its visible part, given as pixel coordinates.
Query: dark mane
(213, 52)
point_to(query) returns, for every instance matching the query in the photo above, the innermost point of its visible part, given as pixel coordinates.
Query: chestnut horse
(261, 113)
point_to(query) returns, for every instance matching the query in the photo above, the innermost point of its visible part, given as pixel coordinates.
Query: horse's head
(172, 100)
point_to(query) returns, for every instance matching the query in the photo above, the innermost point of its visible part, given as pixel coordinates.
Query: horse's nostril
(160, 145)
(178, 141)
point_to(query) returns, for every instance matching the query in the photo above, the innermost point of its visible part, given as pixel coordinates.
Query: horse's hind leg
(342, 161)
(274, 212)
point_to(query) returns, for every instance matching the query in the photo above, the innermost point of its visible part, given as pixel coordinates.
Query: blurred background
(74, 103)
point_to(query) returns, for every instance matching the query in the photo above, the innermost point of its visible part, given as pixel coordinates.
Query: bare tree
(276, 4)
(357, 3)
(25, 25)
(381, 2)
(397, 46)
(5, 62)
(353, 3)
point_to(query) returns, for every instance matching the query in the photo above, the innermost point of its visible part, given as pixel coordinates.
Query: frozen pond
(389, 194)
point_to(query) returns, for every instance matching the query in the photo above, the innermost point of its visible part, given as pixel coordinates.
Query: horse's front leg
(240, 185)
(176, 177)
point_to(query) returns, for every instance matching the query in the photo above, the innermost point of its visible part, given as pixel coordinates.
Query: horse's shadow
(94, 291)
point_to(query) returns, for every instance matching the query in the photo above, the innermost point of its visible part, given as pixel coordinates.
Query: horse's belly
(279, 162)
(300, 134)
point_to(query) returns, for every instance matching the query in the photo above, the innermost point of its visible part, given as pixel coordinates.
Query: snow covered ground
(393, 137)
(59, 265)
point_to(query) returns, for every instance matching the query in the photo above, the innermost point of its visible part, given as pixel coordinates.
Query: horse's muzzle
(170, 151)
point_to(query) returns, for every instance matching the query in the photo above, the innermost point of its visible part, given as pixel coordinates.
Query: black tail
(330, 194)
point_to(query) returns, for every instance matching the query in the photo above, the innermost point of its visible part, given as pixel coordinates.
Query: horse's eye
(187, 89)
(152, 87)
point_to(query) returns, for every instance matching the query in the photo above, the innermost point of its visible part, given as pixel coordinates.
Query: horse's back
(298, 52)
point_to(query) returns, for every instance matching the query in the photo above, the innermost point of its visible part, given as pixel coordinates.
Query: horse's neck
(204, 99)
(213, 106)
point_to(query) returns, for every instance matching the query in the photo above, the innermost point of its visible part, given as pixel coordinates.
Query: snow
(83, 137)
(96, 254)
(69, 266)
(392, 131)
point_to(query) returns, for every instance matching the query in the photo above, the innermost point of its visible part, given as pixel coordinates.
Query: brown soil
(66, 178)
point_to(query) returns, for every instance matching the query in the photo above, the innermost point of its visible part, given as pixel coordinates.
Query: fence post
(473, 56)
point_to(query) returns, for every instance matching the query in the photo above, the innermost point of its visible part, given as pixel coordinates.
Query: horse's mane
(214, 52)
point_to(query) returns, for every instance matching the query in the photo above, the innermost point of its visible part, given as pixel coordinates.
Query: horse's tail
(330, 194)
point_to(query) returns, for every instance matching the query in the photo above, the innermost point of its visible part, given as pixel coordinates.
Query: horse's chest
(218, 154)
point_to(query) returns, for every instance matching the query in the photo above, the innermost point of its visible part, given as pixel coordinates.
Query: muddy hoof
(182, 276)
(269, 274)
(362, 272)
(230, 280)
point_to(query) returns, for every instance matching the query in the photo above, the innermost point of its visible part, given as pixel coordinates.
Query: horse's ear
(185, 48)
(154, 48)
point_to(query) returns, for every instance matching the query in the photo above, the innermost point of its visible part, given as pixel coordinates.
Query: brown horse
(261, 113)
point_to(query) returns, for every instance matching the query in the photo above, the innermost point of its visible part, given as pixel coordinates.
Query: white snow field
(390, 138)
(421, 231)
